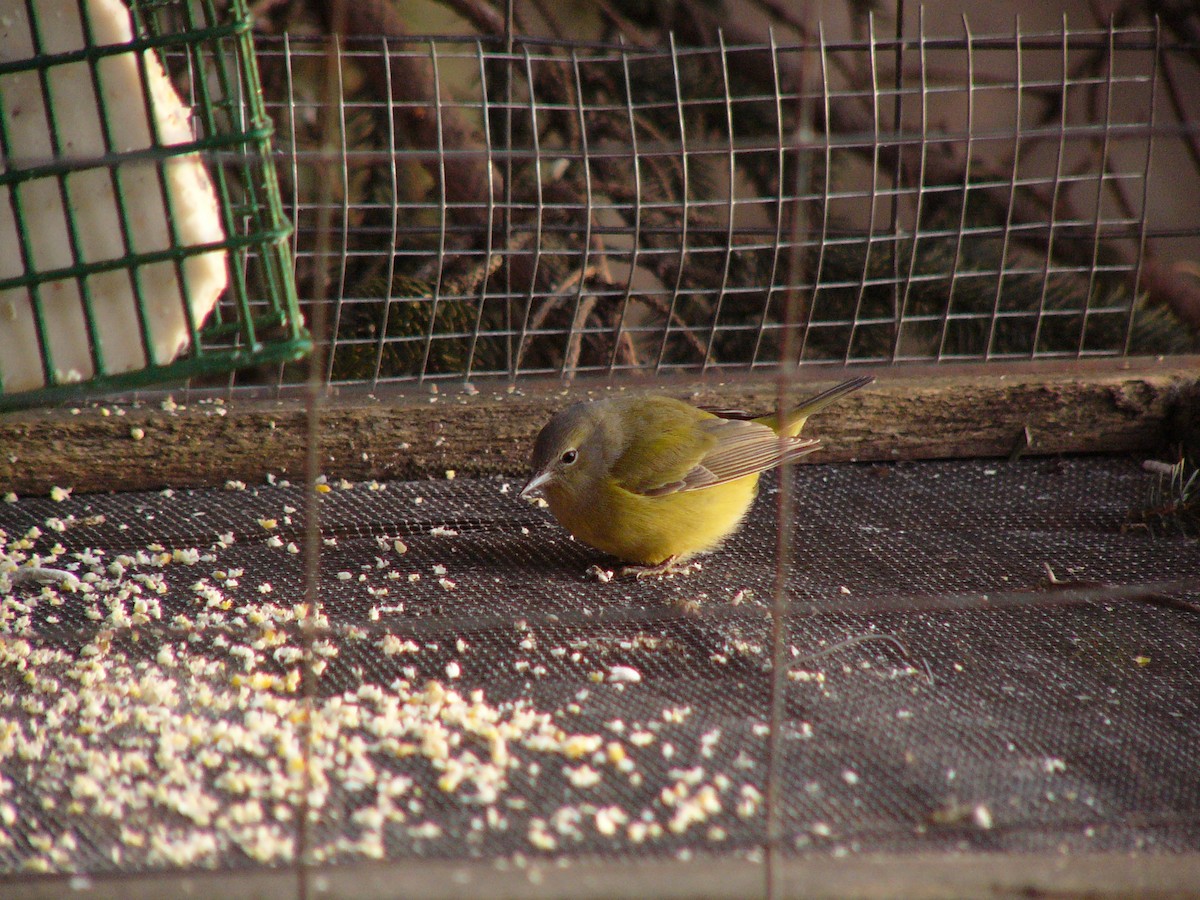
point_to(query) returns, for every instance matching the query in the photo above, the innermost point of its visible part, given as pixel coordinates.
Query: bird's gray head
(572, 447)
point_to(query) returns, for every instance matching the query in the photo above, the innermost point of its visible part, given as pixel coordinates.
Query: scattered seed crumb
(582, 777)
(604, 576)
(982, 816)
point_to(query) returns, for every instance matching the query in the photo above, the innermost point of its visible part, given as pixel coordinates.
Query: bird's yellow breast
(654, 529)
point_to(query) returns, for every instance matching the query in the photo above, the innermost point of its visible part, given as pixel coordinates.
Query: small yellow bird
(655, 481)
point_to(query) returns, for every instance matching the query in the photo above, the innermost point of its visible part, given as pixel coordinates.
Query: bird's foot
(668, 568)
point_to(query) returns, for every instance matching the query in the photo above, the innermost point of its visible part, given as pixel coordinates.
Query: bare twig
(468, 183)
(632, 33)
(482, 15)
(556, 297)
(673, 316)
(575, 344)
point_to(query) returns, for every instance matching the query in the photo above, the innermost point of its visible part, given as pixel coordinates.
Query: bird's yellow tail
(794, 420)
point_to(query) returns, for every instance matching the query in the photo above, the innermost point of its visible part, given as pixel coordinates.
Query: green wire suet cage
(142, 239)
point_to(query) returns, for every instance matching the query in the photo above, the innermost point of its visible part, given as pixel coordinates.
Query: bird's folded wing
(690, 455)
(744, 448)
(666, 457)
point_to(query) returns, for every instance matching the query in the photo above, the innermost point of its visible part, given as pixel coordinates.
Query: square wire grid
(566, 209)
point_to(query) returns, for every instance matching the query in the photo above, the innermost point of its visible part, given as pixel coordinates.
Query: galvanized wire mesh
(566, 209)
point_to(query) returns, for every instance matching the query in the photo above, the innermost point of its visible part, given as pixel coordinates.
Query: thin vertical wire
(574, 330)
(1097, 222)
(25, 239)
(1012, 191)
(684, 190)
(784, 506)
(920, 202)
(393, 153)
(170, 219)
(511, 356)
(897, 175)
(343, 154)
(872, 223)
(238, 115)
(637, 208)
(294, 161)
(1141, 251)
(1055, 191)
(966, 188)
(445, 211)
(732, 206)
(235, 259)
(314, 400)
(780, 169)
(538, 206)
(489, 248)
(74, 239)
(818, 271)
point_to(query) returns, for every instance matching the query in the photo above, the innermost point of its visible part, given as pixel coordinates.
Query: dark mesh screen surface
(504, 703)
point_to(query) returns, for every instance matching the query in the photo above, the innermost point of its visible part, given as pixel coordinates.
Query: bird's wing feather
(744, 448)
(689, 449)
(668, 456)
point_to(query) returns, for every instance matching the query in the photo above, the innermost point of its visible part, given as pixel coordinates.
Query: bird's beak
(535, 484)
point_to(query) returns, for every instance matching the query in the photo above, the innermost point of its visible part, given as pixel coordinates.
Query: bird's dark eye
(569, 457)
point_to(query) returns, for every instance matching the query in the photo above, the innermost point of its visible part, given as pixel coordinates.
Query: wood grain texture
(914, 413)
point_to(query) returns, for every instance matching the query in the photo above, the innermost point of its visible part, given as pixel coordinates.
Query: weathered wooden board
(916, 413)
